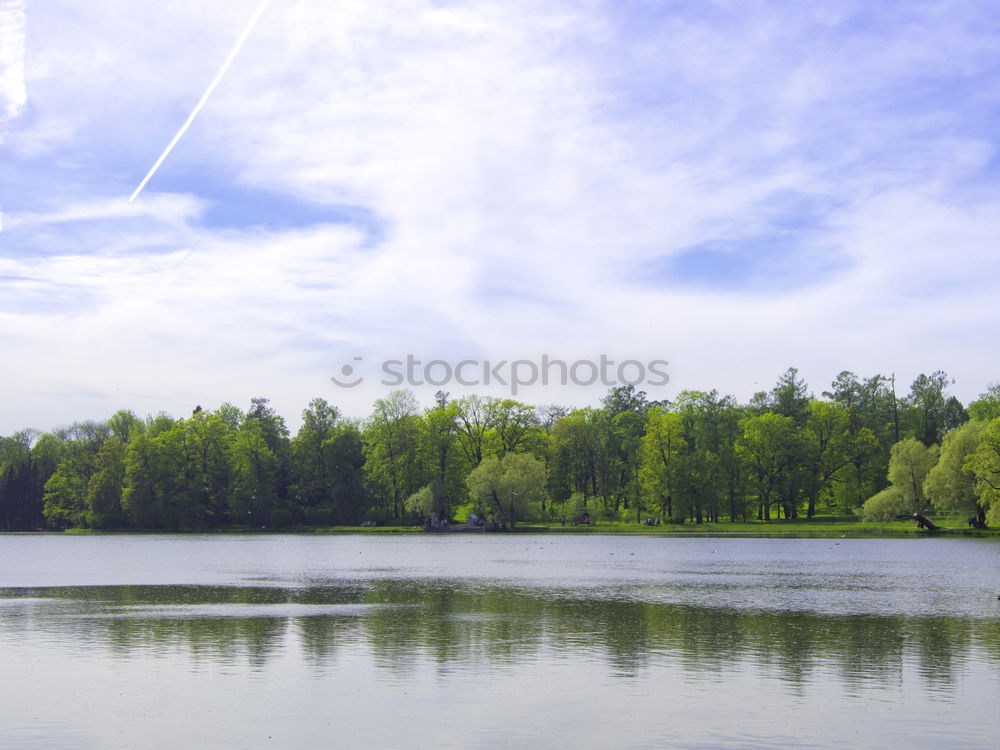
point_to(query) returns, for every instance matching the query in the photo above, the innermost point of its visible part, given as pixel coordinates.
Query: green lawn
(821, 526)
(796, 527)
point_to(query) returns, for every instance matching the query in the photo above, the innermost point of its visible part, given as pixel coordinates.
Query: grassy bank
(815, 527)
(783, 528)
(801, 527)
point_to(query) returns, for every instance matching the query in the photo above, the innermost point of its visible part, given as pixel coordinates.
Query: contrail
(204, 97)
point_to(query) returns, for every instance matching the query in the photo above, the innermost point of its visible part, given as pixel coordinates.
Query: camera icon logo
(348, 372)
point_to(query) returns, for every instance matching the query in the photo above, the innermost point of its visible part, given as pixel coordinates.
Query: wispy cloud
(13, 95)
(734, 188)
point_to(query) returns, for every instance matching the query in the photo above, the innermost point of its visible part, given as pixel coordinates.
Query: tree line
(858, 448)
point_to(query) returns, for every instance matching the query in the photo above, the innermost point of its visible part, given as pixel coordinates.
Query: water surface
(462, 641)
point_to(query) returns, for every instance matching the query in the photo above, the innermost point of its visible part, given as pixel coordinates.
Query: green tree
(926, 407)
(514, 426)
(790, 396)
(392, 436)
(177, 501)
(256, 476)
(835, 448)
(579, 455)
(475, 421)
(884, 505)
(710, 475)
(510, 489)
(65, 498)
(271, 427)
(140, 493)
(987, 407)
(104, 490)
(871, 406)
(949, 484)
(207, 473)
(349, 495)
(427, 501)
(312, 457)
(123, 425)
(231, 416)
(663, 450)
(772, 450)
(444, 463)
(27, 460)
(985, 464)
(623, 422)
(327, 467)
(909, 464)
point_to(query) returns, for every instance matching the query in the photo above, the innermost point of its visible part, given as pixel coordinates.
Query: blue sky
(733, 187)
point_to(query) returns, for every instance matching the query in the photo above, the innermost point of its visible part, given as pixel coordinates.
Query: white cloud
(165, 207)
(523, 162)
(13, 95)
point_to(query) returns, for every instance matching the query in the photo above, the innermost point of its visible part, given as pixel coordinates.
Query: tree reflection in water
(403, 622)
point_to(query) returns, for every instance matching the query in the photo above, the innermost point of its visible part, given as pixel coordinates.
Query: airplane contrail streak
(204, 97)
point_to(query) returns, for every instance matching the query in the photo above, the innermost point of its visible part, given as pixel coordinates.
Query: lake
(483, 641)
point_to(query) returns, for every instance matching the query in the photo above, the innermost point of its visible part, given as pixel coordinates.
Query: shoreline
(748, 530)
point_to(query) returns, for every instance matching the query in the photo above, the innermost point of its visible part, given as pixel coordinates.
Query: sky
(731, 187)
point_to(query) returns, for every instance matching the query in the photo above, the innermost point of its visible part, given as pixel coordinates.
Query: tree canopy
(858, 448)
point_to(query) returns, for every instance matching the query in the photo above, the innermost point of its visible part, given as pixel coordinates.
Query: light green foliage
(987, 407)
(231, 416)
(910, 462)
(573, 508)
(158, 424)
(884, 505)
(176, 473)
(124, 424)
(427, 501)
(949, 484)
(662, 453)
(985, 464)
(421, 503)
(509, 489)
(65, 497)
